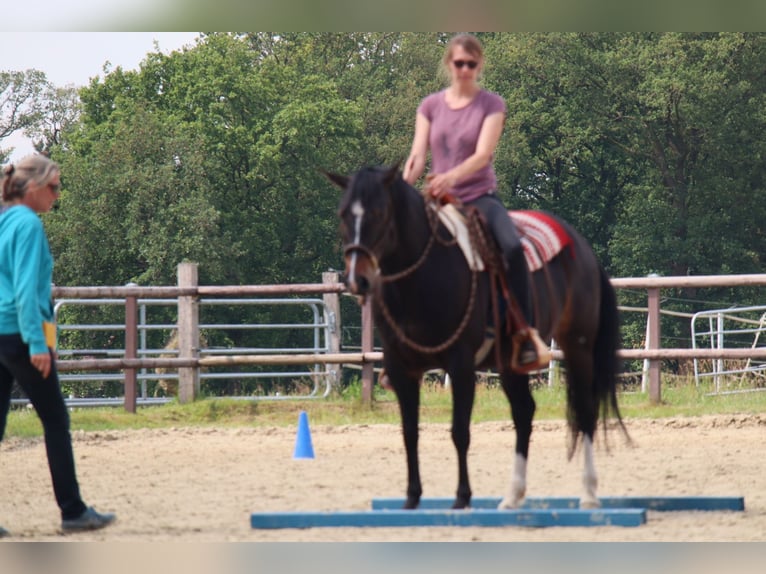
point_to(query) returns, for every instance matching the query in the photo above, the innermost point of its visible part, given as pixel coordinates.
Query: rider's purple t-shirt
(453, 137)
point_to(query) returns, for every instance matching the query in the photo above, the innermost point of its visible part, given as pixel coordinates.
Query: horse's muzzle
(361, 269)
(358, 285)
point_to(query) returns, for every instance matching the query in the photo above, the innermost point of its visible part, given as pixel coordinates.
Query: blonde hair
(469, 43)
(37, 168)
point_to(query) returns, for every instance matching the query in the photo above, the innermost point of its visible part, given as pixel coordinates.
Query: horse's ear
(392, 173)
(340, 180)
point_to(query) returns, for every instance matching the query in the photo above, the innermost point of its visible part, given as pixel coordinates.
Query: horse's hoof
(461, 504)
(411, 504)
(509, 503)
(590, 503)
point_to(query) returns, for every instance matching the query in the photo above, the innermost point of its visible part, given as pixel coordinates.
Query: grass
(679, 398)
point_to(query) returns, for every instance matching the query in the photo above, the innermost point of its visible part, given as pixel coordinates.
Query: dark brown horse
(433, 311)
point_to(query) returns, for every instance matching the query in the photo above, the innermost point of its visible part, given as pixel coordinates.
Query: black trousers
(45, 395)
(507, 238)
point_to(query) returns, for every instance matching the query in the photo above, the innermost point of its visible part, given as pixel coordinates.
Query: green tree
(552, 155)
(648, 143)
(134, 206)
(20, 102)
(386, 73)
(258, 134)
(59, 112)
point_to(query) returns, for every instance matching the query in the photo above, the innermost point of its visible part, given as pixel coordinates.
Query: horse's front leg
(407, 391)
(463, 393)
(516, 388)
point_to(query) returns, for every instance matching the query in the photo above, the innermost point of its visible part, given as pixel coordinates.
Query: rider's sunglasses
(470, 63)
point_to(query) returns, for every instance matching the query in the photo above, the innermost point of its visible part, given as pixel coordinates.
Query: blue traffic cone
(303, 446)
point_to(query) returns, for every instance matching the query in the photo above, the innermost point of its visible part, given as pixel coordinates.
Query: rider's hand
(438, 184)
(42, 362)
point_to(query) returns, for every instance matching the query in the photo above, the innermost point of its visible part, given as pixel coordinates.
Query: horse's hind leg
(516, 388)
(583, 414)
(589, 476)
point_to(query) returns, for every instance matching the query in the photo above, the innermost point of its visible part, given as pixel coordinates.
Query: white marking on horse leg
(357, 210)
(589, 477)
(518, 487)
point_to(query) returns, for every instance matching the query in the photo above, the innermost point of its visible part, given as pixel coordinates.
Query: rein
(433, 220)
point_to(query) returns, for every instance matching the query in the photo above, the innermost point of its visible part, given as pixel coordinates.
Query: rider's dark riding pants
(504, 231)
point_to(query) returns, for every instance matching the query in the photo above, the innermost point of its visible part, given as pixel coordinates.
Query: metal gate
(321, 324)
(738, 328)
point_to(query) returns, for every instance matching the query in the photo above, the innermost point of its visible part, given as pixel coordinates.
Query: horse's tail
(605, 361)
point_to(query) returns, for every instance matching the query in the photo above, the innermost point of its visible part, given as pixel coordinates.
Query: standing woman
(26, 356)
(461, 126)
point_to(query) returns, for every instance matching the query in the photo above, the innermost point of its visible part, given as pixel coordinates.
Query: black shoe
(4, 532)
(88, 520)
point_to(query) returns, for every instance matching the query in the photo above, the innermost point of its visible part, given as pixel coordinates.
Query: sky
(73, 58)
(74, 14)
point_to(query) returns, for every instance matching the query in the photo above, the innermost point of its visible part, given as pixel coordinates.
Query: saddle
(542, 239)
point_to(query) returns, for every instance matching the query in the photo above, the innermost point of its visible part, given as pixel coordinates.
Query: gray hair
(37, 168)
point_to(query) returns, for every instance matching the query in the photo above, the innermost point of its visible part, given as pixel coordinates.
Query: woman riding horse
(461, 126)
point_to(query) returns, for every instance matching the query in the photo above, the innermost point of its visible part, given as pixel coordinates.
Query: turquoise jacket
(26, 273)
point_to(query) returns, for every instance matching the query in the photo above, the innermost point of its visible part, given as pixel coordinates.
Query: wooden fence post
(333, 319)
(188, 333)
(131, 349)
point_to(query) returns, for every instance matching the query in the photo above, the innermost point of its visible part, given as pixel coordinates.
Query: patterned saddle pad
(542, 237)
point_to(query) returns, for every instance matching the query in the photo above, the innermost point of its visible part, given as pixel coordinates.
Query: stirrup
(541, 350)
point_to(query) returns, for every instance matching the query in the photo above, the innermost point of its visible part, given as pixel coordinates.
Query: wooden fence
(189, 362)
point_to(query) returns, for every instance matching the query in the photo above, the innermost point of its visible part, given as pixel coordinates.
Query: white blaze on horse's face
(357, 210)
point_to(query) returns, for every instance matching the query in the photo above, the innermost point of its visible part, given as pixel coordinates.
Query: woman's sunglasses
(460, 63)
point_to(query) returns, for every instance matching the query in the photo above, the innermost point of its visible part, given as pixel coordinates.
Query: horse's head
(366, 224)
